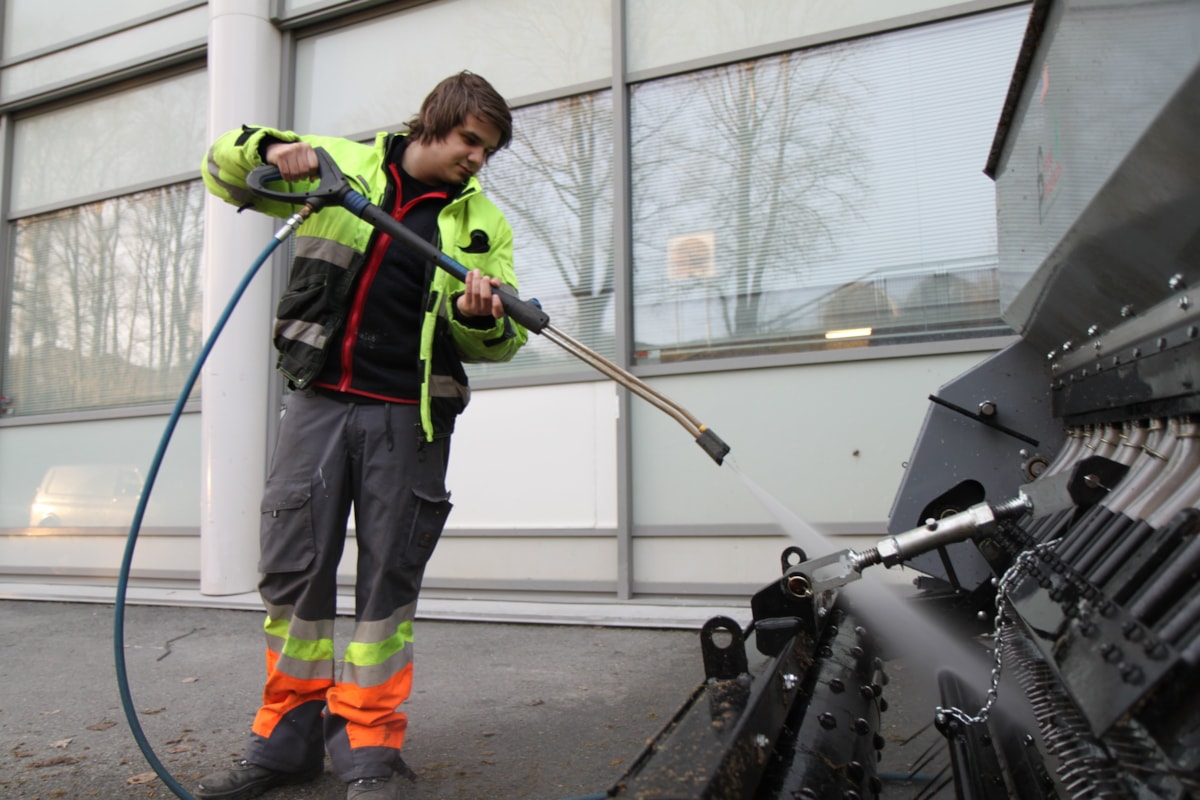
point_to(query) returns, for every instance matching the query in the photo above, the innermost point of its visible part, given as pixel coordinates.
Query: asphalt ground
(517, 711)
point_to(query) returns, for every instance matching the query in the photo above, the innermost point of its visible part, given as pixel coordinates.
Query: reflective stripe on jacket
(331, 248)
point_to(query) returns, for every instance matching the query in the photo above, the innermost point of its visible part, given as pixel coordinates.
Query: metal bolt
(1126, 311)
(1093, 330)
(761, 741)
(827, 721)
(1176, 282)
(1132, 673)
(1185, 303)
(789, 681)
(1162, 343)
(987, 408)
(1067, 346)
(837, 686)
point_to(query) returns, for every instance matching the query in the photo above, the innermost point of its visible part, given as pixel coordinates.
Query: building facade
(774, 214)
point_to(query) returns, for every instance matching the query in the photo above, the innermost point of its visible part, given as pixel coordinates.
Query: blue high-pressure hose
(136, 526)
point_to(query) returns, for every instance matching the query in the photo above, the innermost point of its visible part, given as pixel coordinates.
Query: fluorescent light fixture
(848, 333)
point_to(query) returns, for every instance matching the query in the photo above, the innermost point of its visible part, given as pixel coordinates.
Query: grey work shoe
(373, 789)
(248, 780)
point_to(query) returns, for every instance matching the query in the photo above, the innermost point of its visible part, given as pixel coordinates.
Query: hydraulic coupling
(839, 568)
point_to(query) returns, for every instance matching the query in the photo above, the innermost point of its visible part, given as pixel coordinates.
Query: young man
(372, 340)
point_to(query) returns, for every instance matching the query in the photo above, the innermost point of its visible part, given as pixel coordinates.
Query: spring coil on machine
(1087, 765)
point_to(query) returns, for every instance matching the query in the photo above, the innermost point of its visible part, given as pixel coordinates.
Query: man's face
(463, 152)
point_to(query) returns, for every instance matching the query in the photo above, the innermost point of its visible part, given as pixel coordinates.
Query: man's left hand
(478, 299)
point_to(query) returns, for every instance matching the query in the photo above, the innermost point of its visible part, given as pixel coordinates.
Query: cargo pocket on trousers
(429, 518)
(286, 542)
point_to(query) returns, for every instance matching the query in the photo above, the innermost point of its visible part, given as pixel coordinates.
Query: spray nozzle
(712, 444)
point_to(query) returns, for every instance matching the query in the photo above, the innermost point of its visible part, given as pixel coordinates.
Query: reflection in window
(554, 184)
(106, 306)
(825, 198)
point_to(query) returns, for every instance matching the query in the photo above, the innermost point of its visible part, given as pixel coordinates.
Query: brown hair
(452, 100)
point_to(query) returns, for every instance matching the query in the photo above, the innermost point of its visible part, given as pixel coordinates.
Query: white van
(86, 495)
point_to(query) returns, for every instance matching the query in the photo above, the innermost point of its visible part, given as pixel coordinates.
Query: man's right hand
(297, 161)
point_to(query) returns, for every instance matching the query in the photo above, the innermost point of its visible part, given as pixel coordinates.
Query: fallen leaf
(101, 726)
(62, 744)
(142, 777)
(149, 711)
(182, 748)
(189, 680)
(537, 702)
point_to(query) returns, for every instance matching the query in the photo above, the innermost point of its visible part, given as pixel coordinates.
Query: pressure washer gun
(1083, 486)
(334, 189)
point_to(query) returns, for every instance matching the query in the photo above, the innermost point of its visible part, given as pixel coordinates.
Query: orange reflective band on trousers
(370, 712)
(283, 693)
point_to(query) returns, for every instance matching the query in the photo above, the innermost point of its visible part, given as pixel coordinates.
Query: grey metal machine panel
(959, 443)
(1096, 186)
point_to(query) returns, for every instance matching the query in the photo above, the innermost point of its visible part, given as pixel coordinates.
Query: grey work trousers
(331, 457)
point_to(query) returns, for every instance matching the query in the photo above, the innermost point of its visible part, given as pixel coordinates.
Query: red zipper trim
(368, 277)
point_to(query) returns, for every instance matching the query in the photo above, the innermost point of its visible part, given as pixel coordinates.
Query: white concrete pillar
(243, 77)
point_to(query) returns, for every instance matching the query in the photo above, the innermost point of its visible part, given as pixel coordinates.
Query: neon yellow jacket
(331, 248)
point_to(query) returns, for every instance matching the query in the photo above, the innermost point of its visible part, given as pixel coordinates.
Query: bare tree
(555, 184)
(105, 301)
(758, 153)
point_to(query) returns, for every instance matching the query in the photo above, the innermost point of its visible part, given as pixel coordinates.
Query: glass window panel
(293, 8)
(718, 26)
(554, 184)
(522, 47)
(153, 132)
(50, 474)
(834, 191)
(31, 25)
(106, 303)
(176, 32)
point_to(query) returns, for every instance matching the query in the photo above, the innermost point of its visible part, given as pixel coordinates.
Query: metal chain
(1024, 562)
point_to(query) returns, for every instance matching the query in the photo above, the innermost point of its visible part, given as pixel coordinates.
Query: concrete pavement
(542, 712)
